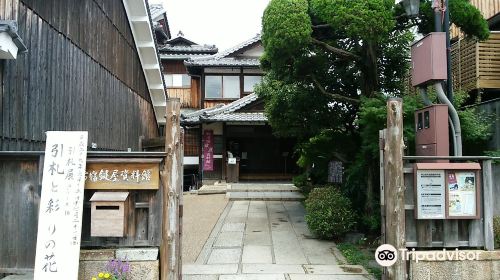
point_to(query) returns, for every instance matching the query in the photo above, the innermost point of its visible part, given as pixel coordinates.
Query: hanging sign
(208, 150)
(61, 205)
(430, 194)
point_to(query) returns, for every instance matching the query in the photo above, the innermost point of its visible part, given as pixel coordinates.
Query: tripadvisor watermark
(387, 255)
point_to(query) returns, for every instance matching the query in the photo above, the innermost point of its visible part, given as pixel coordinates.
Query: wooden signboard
(123, 174)
(61, 206)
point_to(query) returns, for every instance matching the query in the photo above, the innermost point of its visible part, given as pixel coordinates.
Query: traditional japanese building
(231, 119)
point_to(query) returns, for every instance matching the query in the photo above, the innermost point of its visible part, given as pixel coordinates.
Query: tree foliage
(329, 66)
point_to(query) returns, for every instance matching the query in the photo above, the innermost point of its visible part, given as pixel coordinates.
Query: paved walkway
(201, 213)
(267, 240)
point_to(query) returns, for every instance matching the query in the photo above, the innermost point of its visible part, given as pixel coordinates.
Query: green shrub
(370, 223)
(329, 213)
(496, 230)
(303, 183)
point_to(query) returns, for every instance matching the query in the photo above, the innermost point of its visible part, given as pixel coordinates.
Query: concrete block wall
(144, 263)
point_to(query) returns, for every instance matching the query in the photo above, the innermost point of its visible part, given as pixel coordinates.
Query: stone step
(268, 196)
(262, 188)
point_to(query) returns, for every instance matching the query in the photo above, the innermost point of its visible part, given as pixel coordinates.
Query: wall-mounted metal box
(431, 131)
(428, 59)
(109, 214)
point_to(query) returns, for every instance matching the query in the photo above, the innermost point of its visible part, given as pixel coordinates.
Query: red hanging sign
(208, 150)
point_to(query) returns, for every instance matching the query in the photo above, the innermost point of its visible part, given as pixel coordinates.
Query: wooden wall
(20, 190)
(81, 72)
(174, 67)
(184, 94)
(488, 8)
(19, 203)
(190, 98)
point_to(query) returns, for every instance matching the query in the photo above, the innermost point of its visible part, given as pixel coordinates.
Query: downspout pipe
(425, 97)
(453, 115)
(428, 102)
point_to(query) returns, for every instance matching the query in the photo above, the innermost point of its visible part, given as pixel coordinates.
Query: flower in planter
(115, 269)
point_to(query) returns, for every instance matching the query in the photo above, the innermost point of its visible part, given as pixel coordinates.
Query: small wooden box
(108, 214)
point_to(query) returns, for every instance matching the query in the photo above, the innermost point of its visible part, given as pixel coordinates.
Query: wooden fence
(20, 189)
(476, 65)
(446, 233)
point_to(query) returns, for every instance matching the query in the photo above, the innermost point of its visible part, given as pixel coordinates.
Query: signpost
(61, 206)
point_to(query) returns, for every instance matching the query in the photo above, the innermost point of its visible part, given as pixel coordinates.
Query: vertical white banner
(61, 206)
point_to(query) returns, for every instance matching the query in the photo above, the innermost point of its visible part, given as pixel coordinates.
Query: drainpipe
(452, 112)
(425, 97)
(455, 121)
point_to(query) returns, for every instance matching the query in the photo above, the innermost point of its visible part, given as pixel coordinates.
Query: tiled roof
(156, 10)
(238, 117)
(167, 56)
(238, 47)
(223, 59)
(226, 112)
(228, 61)
(209, 49)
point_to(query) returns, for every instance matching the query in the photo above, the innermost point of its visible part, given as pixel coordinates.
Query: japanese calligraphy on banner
(130, 175)
(208, 150)
(61, 205)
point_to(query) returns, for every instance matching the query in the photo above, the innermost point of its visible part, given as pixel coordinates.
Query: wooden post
(381, 140)
(171, 179)
(394, 185)
(181, 204)
(488, 206)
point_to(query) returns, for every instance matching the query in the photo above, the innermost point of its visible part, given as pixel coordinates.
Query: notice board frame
(451, 167)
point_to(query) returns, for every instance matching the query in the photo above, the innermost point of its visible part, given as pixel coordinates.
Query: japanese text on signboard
(61, 204)
(208, 150)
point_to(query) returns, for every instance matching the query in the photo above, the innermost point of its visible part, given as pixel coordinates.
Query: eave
(142, 31)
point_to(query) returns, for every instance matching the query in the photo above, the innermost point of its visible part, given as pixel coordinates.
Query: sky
(224, 23)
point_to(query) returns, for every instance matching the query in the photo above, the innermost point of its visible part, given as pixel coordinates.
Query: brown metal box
(108, 214)
(428, 59)
(431, 131)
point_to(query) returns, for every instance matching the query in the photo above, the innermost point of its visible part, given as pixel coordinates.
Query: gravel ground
(201, 213)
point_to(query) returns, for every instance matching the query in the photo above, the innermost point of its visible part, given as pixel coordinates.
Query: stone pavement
(267, 240)
(263, 191)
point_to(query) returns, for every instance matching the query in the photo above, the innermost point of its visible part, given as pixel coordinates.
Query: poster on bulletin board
(462, 194)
